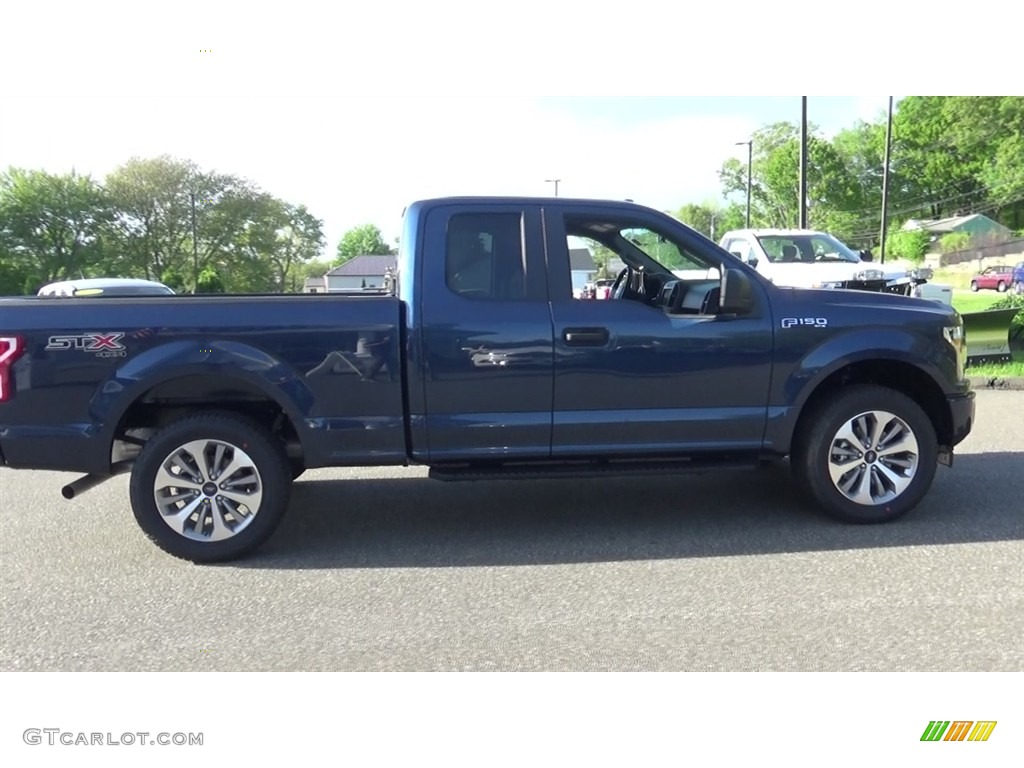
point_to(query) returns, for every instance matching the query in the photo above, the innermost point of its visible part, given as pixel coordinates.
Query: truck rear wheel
(867, 455)
(210, 487)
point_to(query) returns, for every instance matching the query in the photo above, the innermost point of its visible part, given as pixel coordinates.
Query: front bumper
(961, 411)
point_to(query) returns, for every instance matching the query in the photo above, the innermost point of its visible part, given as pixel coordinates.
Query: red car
(997, 278)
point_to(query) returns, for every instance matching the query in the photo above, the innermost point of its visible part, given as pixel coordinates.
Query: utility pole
(555, 182)
(750, 165)
(803, 163)
(885, 182)
(195, 248)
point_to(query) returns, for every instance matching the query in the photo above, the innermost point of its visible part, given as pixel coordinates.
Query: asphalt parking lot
(387, 570)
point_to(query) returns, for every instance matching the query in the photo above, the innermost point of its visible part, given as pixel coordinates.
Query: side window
(737, 246)
(484, 256)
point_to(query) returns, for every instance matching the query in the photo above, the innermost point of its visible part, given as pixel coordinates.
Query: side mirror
(866, 256)
(752, 261)
(737, 293)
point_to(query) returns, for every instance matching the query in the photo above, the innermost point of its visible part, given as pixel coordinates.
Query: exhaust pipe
(85, 482)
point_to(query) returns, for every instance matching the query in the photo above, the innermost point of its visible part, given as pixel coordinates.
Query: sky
(349, 170)
(355, 114)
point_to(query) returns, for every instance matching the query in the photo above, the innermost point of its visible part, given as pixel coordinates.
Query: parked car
(105, 286)
(1018, 277)
(997, 278)
(480, 366)
(603, 288)
(803, 258)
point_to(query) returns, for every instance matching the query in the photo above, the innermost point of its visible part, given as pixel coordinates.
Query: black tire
(297, 468)
(974, 286)
(818, 449)
(1001, 286)
(262, 468)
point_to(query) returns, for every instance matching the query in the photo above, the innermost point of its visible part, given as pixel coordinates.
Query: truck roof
(520, 199)
(773, 232)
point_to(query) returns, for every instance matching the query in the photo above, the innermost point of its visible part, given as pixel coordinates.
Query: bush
(954, 241)
(908, 244)
(1010, 301)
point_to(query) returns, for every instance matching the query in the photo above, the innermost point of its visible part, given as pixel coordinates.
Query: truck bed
(331, 363)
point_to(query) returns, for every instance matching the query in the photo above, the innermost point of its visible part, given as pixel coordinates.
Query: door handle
(586, 337)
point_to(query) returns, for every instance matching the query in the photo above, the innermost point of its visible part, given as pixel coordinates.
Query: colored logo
(958, 730)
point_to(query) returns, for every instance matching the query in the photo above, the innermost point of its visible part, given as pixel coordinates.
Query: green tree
(362, 240)
(50, 226)
(934, 165)
(775, 181)
(154, 200)
(712, 219)
(273, 240)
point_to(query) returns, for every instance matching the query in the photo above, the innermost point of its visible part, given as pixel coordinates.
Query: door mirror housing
(737, 293)
(866, 256)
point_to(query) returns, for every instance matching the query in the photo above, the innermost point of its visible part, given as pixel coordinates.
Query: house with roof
(315, 285)
(357, 274)
(582, 267)
(977, 225)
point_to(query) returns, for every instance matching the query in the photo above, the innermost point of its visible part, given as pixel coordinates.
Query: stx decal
(103, 344)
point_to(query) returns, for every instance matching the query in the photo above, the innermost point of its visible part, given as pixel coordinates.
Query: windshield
(782, 249)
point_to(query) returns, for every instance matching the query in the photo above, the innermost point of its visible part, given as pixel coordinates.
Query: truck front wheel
(210, 487)
(867, 455)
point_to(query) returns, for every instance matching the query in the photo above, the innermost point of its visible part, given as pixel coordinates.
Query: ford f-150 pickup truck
(480, 363)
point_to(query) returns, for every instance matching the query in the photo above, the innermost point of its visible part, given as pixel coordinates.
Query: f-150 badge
(813, 322)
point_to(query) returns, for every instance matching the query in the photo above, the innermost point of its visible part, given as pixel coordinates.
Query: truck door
(486, 334)
(632, 378)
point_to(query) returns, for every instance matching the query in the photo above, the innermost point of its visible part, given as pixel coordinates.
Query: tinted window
(484, 256)
(806, 248)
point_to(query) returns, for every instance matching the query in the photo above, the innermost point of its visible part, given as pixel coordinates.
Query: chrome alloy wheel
(873, 458)
(208, 490)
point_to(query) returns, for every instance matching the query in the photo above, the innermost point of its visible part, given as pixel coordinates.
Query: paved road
(390, 571)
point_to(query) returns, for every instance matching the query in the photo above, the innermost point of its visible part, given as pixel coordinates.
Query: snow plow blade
(988, 335)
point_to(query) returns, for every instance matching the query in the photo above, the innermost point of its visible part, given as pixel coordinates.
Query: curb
(996, 382)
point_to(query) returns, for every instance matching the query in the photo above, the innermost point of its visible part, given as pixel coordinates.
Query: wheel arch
(182, 394)
(895, 374)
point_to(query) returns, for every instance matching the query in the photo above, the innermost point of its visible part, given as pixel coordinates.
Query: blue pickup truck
(480, 363)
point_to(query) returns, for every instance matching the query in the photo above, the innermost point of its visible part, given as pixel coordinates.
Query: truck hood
(879, 308)
(814, 275)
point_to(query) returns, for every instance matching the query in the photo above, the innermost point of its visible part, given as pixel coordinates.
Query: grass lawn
(966, 301)
(1001, 370)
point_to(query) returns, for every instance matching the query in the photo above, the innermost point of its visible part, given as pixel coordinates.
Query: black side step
(583, 469)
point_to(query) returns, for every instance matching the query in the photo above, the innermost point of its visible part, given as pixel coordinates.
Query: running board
(583, 469)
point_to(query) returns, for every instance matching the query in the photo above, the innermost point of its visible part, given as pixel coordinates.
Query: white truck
(802, 258)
